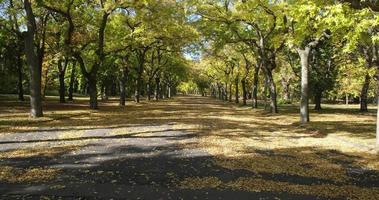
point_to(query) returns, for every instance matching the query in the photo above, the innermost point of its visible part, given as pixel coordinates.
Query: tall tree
(34, 50)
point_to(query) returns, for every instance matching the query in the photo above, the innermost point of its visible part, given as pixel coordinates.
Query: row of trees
(301, 48)
(120, 46)
(249, 48)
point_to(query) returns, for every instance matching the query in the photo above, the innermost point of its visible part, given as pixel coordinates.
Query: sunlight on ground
(34, 174)
(338, 144)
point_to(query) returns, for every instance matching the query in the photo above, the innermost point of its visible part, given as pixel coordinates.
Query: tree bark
(61, 75)
(237, 90)
(318, 97)
(377, 112)
(219, 87)
(157, 88)
(364, 92)
(272, 90)
(92, 90)
(141, 60)
(255, 87)
(20, 87)
(226, 92)
(230, 91)
(123, 79)
(244, 91)
(286, 91)
(304, 101)
(72, 81)
(169, 92)
(33, 62)
(62, 88)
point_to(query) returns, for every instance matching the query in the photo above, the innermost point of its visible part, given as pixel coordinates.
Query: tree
(308, 30)
(34, 50)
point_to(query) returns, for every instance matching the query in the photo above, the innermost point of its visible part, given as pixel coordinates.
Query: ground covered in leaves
(185, 148)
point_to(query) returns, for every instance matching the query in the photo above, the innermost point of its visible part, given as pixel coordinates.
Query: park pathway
(149, 157)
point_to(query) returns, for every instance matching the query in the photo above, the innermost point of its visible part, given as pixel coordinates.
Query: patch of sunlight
(199, 183)
(322, 190)
(42, 151)
(33, 174)
(71, 134)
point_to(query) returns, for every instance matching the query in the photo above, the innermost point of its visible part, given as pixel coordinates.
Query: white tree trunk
(304, 102)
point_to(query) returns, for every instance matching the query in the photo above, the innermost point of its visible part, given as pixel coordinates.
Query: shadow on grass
(118, 169)
(170, 163)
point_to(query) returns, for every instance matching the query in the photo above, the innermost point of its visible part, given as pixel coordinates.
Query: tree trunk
(230, 91)
(35, 81)
(20, 88)
(123, 80)
(46, 80)
(92, 90)
(149, 90)
(106, 91)
(364, 91)
(34, 65)
(255, 87)
(122, 92)
(377, 112)
(226, 92)
(304, 103)
(156, 92)
(169, 91)
(72, 81)
(265, 95)
(286, 91)
(137, 90)
(237, 91)
(139, 79)
(244, 91)
(61, 75)
(272, 90)
(219, 91)
(347, 99)
(62, 88)
(318, 97)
